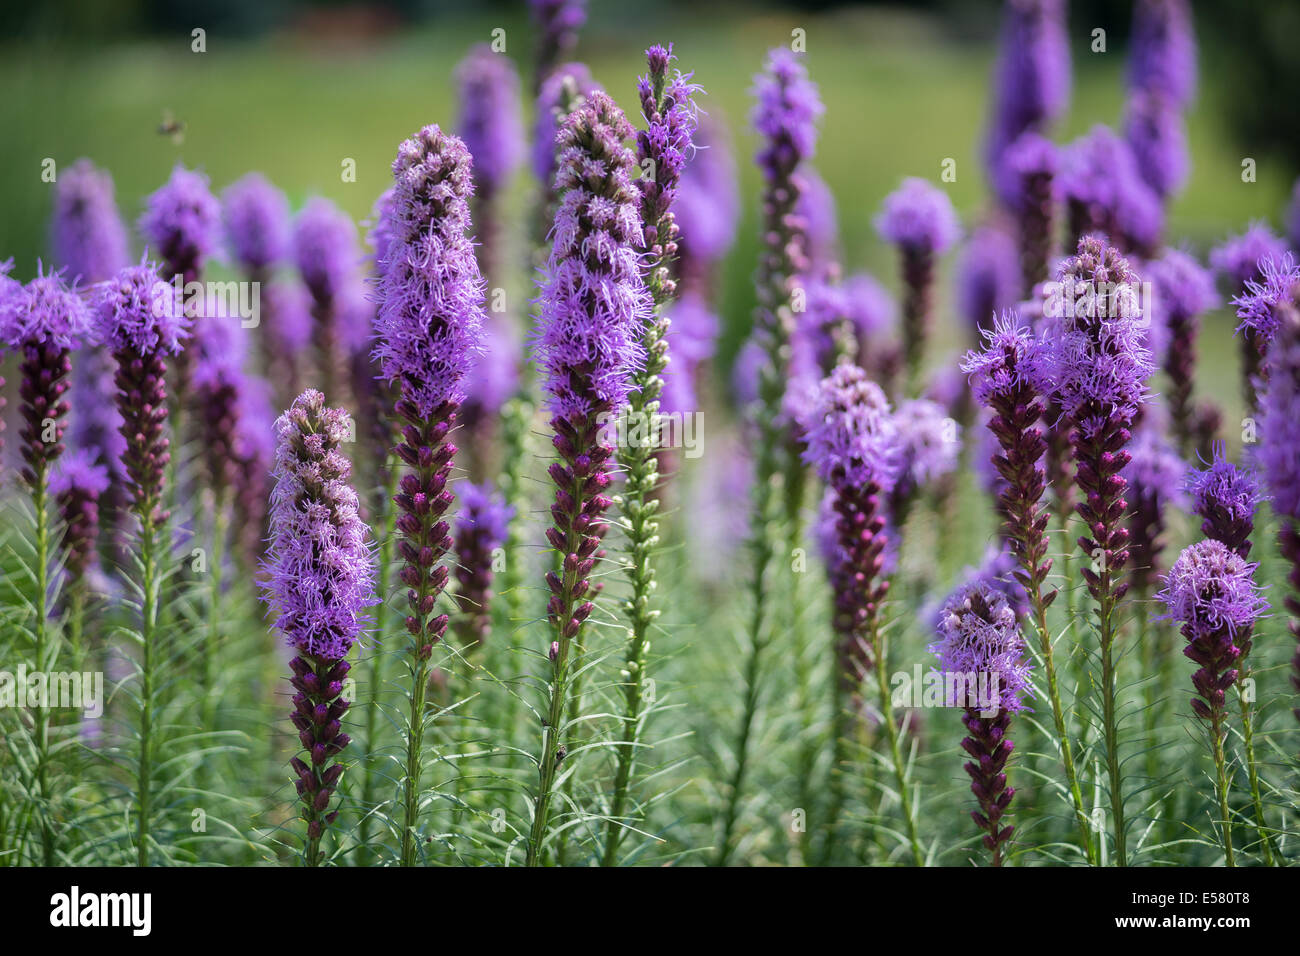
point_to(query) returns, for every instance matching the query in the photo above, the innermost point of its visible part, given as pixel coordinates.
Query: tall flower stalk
(43, 321)
(1183, 290)
(1008, 378)
(320, 577)
(557, 23)
(1225, 497)
(1211, 592)
(663, 146)
(326, 253)
(786, 116)
(919, 219)
(594, 306)
(981, 655)
(1099, 367)
(854, 444)
(429, 331)
(138, 316)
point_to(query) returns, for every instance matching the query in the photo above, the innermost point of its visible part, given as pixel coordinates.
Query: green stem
(880, 647)
(42, 715)
(378, 660)
(212, 632)
(1109, 723)
(1221, 784)
(149, 617)
(1252, 770)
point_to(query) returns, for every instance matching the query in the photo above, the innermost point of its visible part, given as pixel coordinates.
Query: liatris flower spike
(1226, 496)
(785, 116)
(1155, 476)
(1010, 378)
(1105, 193)
(429, 330)
(1184, 289)
(43, 321)
(1032, 82)
(988, 278)
(90, 240)
(919, 219)
(1211, 592)
(587, 347)
(1242, 260)
(480, 531)
(1162, 58)
(140, 318)
(182, 224)
(319, 579)
(1099, 366)
(76, 484)
(1031, 164)
(982, 657)
(256, 217)
(326, 253)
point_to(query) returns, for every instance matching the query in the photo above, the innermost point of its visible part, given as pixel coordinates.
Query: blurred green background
(294, 90)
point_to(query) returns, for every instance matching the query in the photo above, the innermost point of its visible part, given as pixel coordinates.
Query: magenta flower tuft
(1226, 497)
(852, 438)
(182, 223)
(1265, 300)
(256, 216)
(89, 237)
(1240, 258)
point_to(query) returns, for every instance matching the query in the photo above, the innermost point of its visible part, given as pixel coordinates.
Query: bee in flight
(172, 127)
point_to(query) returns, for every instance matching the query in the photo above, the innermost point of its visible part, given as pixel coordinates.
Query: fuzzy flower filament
(319, 581)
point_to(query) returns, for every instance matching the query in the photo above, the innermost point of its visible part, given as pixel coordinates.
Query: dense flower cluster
(182, 224)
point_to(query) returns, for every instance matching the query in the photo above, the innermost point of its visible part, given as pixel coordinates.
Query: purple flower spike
(988, 278)
(556, 99)
(930, 442)
(328, 258)
(920, 220)
(853, 442)
(1211, 592)
(490, 122)
(480, 530)
(1183, 290)
(786, 115)
(1239, 259)
(218, 381)
(90, 240)
(256, 215)
(669, 112)
(1226, 496)
(1293, 219)
(76, 484)
(1264, 302)
(1155, 133)
(319, 580)
(1163, 55)
(182, 224)
(43, 321)
(1032, 82)
(819, 221)
(430, 322)
(557, 23)
(982, 659)
(140, 318)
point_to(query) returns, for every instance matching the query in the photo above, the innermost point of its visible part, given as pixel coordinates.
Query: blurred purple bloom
(919, 216)
(1240, 258)
(988, 277)
(979, 635)
(256, 215)
(786, 114)
(549, 104)
(325, 249)
(1162, 59)
(89, 237)
(708, 202)
(1156, 136)
(852, 437)
(182, 223)
(490, 121)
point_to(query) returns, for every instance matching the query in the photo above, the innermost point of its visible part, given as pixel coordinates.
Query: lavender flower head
(594, 302)
(1099, 362)
(287, 308)
(919, 216)
(557, 23)
(786, 114)
(1162, 59)
(490, 121)
(820, 221)
(1240, 258)
(979, 634)
(1013, 359)
(1264, 302)
(76, 482)
(89, 237)
(430, 321)
(1293, 218)
(137, 311)
(669, 111)
(182, 222)
(1226, 497)
(46, 312)
(1183, 289)
(320, 570)
(1106, 193)
(256, 215)
(1211, 588)
(852, 438)
(1278, 451)
(325, 249)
